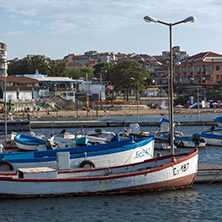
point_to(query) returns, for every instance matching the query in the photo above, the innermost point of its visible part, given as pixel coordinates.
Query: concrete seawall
(67, 123)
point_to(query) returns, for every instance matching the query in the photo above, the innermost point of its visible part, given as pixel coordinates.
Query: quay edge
(36, 124)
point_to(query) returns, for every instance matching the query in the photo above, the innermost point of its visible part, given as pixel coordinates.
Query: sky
(56, 28)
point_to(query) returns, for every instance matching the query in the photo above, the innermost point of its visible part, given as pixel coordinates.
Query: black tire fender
(180, 145)
(6, 164)
(86, 163)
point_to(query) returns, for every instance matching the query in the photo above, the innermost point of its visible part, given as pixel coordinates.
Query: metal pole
(5, 103)
(138, 101)
(198, 100)
(171, 94)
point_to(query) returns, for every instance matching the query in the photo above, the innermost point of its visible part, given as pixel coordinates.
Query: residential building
(20, 88)
(71, 65)
(203, 68)
(177, 54)
(3, 59)
(95, 90)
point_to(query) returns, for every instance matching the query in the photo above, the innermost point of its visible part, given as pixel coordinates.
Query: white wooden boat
(66, 135)
(114, 153)
(187, 141)
(9, 142)
(60, 142)
(218, 120)
(211, 138)
(100, 133)
(160, 173)
(30, 143)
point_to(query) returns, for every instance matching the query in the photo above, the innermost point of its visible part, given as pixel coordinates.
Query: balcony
(3, 57)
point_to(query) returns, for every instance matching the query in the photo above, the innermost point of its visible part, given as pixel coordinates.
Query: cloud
(102, 16)
(29, 22)
(14, 33)
(62, 27)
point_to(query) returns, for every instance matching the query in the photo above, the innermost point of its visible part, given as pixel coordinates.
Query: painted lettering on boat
(142, 153)
(183, 168)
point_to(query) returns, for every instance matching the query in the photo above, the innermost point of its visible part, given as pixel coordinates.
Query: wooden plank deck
(209, 173)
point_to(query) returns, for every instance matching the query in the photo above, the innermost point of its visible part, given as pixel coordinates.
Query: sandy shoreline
(143, 112)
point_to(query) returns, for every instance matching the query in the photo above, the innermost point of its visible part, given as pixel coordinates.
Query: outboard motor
(196, 138)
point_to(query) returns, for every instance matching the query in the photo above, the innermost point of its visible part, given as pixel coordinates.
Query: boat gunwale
(186, 156)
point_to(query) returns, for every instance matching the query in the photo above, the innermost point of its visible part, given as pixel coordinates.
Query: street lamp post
(170, 25)
(137, 99)
(5, 67)
(198, 97)
(137, 96)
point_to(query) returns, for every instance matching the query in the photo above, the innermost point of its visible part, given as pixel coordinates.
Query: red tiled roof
(201, 56)
(79, 57)
(73, 64)
(91, 63)
(19, 79)
(154, 62)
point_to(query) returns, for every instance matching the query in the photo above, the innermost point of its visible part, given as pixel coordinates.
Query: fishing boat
(186, 141)
(211, 138)
(30, 143)
(66, 135)
(114, 153)
(160, 173)
(9, 142)
(100, 133)
(163, 133)
(218, 120)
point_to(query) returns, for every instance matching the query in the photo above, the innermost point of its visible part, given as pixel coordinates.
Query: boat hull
(176, 172)
(212, 138)
(110, 154)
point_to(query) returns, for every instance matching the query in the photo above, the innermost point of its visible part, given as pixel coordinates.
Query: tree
(79, 72)
(58, 68)
(122, 74)
(29, 66)
(85, 70)
(103, 68)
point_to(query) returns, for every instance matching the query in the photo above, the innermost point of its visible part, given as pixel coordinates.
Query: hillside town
(198, 72)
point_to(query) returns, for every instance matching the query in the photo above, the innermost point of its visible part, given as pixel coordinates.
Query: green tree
(29, 66)
(83, 71)
(104, 69)
(58, 68)
(123, 73)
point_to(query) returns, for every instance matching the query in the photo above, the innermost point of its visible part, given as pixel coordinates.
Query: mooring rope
(216, 176)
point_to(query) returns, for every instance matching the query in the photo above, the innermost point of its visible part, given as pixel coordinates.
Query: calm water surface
(199, 203)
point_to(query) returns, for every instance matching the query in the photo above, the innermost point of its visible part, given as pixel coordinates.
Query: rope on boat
(216, 176)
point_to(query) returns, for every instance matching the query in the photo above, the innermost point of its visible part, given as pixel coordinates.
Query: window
(207, 68)
(197, 68)
(217, 68)
(184, 69)
(177, 70)
(190, 68)
(218, 77)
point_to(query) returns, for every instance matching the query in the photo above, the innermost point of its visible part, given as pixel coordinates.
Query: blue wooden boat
(114, 153)
(30, 143)
(212, 139)
(218, 120)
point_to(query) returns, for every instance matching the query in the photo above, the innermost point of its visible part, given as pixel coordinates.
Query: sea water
(199, 203)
